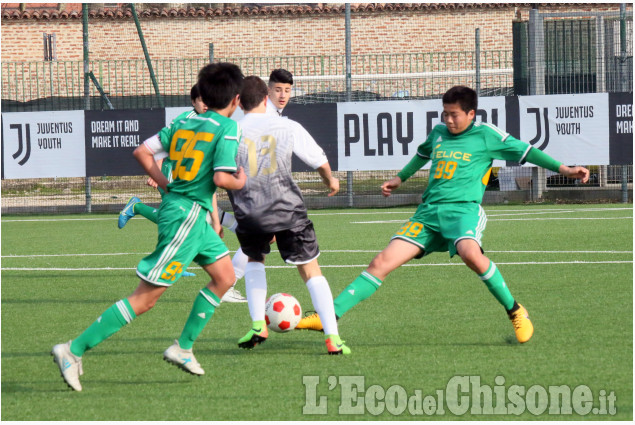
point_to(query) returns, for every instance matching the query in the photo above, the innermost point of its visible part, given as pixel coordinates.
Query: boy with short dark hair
(202, 152)
(280, 85)
(271, 204)
(450, 217)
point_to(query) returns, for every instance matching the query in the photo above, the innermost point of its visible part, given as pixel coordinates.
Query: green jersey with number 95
(461, 163)
(198, 147)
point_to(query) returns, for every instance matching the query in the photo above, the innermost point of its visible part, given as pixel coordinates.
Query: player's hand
(390, 185)
(334, 185)
(576, 172)
(219, 229)
(241, 176)
(152, 183)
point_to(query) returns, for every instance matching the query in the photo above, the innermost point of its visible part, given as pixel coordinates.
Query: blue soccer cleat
(187, 274)
(128, 212)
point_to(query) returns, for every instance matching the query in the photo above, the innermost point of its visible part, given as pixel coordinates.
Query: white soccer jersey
(270, 201)
(272, 109)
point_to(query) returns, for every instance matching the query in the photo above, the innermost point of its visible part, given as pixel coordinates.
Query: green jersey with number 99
(461, 163)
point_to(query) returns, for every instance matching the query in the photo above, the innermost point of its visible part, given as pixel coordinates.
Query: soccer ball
(282, 312)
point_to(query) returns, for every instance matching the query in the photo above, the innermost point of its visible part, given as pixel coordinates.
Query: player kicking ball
(450, 217)
(184, 234)
(271, 204)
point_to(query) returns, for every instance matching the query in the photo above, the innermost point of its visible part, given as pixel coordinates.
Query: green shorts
(184, 236)
(439, 227)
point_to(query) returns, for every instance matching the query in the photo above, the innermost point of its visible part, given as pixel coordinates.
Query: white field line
(374, 213)
(325, 251)
(507, 219)
(530, 263)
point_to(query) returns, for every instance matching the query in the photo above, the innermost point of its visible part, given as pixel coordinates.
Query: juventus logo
(539, 123)
(23, 145)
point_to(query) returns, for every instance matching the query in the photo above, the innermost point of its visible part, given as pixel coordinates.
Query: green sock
(147, 211)
(361, 288)
(496, 285)
(111, 320)
(202, 310)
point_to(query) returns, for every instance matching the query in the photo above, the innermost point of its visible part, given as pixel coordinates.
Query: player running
(271, 205)
(202, 151)
(134, 205)
(450, 217)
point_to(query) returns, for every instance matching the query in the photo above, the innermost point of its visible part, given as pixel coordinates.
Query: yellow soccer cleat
(311, 322)
(522, 325)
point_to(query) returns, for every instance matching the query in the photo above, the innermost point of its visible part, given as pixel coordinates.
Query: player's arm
(216, 224)
(306, 148)
(144, 154)
(226, 174)
(505, 146)
(421, 158)
(230, 181)
(328, 179)
(541, 159)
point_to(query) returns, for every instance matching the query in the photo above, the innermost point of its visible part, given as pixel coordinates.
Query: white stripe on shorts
(175, 243)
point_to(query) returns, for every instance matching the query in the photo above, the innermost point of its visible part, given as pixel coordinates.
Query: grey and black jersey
(271, 201)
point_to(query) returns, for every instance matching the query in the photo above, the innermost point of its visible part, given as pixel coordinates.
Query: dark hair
(280, 76)
(464, 96)
(253, 92)
(218, 83)
(194, 94)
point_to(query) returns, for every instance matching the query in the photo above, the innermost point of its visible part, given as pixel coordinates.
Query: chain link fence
(147, 56)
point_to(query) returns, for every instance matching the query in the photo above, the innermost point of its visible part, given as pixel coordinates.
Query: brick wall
(382, 32)
(274, 34)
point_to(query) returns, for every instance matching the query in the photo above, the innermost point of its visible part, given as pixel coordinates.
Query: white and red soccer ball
(282, 312)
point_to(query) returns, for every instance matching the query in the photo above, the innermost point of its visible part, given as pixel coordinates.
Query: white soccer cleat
(182, 358)
(70, 365)
(233, 296)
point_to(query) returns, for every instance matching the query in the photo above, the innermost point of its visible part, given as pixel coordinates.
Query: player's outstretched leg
(182, 358)
(70, 365)
(360, 289)
(256, 335)
(127, 212)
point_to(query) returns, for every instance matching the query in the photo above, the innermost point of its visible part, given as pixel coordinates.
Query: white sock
(256, 288)
(239, 261)
(227, 220)
(322, 298)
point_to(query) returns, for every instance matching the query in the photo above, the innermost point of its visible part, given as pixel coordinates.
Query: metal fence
(564, 53)
(58, 85)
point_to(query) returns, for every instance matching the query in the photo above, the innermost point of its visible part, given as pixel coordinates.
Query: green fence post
(147, 56)
(86, 95)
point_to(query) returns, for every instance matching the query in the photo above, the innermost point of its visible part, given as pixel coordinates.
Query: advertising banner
(111, 136)
(43, 144)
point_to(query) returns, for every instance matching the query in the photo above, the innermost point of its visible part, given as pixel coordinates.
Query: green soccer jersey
(164, 135)
(461, 163)
(197, 148)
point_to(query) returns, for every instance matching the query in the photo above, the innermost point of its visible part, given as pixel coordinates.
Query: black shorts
(297, 246)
